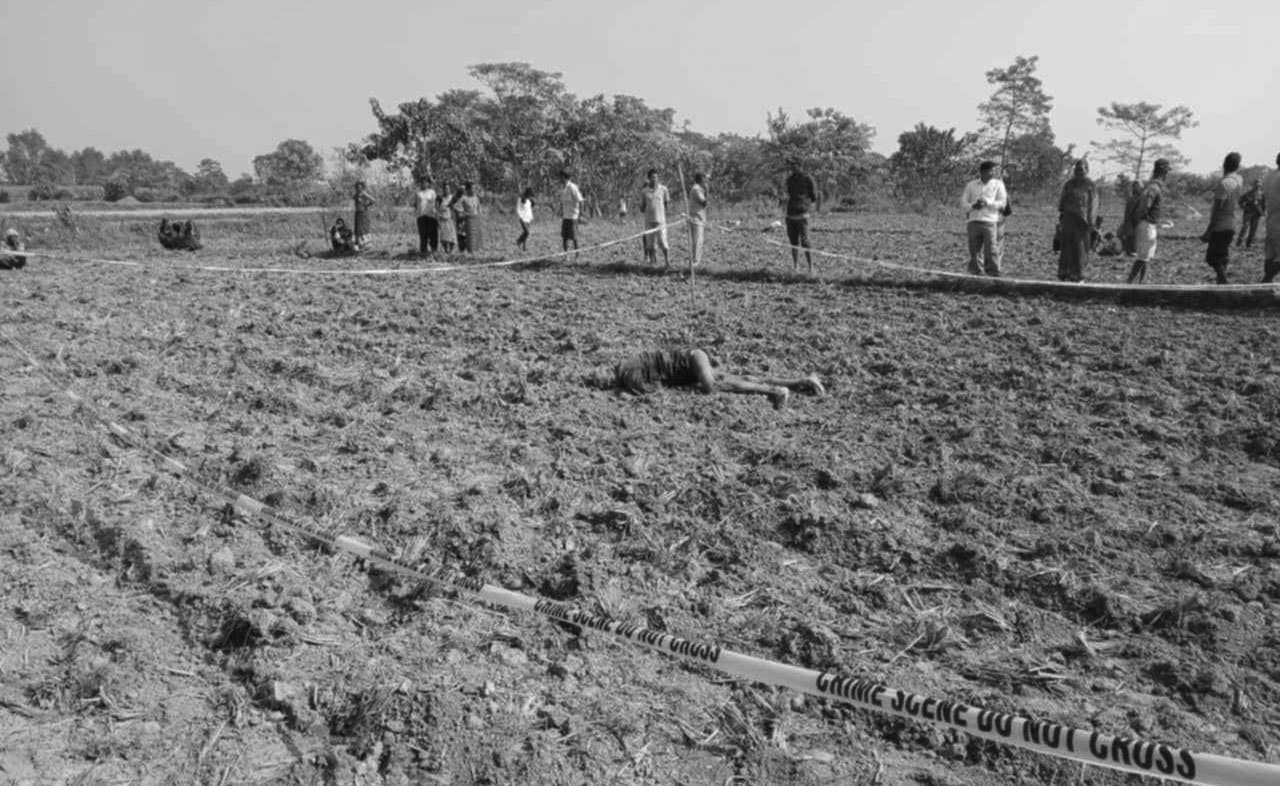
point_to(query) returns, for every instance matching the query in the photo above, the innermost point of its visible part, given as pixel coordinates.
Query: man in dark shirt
(1222, 217)
(647, 371)
(802, 194)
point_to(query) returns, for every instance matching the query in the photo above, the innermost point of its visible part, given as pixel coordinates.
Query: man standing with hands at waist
(983, 200)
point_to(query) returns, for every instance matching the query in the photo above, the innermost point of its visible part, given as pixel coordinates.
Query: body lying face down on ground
(647, 371)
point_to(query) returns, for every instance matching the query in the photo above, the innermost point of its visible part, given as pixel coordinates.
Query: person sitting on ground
(341, 238)
(11, 256)
(1095, 237)
(1110, 246)
(647, 371)
(178, 235)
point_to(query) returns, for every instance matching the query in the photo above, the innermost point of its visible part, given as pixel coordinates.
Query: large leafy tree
(932, 164)
(1141, 129)
(521, 131)
(1017, 107)
(292, 165)
(90, 166)
(209, 177)
(1036, 163)
(611, 141)
(830, 145)
(740, 167)
(445, 137)
(131, 170)
(27, 149)
(526, 120)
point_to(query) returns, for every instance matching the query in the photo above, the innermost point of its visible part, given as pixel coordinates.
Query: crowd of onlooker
(1234, 215)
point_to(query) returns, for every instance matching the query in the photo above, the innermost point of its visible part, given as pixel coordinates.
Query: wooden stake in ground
(688, 220)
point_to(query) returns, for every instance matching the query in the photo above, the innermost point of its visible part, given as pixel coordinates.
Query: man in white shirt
(653, 203)
(698, 215)
(424, 203)
(983, 200)
(570, 209)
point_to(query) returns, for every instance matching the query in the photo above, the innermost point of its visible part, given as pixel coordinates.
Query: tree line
(521, 125)
(49, 172)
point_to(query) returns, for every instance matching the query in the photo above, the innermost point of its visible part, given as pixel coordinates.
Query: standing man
(571, 200)
(1271, 246)
(653, 203)
(698, 215)
(983, 200)
(1147, 216)
(424, 204)
(1253, 206)
(1222, 217)
(802, 194)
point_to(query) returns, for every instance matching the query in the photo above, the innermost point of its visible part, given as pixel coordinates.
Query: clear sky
(229, 80)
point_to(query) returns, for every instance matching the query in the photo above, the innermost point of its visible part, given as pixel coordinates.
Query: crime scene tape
(966, 276)
(1053, 739)
(399, 271)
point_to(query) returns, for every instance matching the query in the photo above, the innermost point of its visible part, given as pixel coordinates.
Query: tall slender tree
(1019, 105)
(1141, 126)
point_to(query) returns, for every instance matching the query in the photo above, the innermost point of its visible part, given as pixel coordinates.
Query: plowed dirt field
(1057, 507)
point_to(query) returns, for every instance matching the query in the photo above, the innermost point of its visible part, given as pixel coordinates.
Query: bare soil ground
(1060, 508)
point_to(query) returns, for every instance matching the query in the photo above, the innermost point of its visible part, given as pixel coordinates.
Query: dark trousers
(1249, 228)
(1219, 252)
(428, 234)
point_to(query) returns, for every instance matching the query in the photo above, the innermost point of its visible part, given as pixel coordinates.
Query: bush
(41, 191)
(214, 200)
(157, 195)
(4, 197)
(114, 190)
(64, 194)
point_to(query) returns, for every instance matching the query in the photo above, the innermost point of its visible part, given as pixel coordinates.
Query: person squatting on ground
(1253, 206)
(424, 204)
(360, 218)
(983, 200)
(644, 373)
(570, 199)
(524, 214)
(802, 195)
(341, 239)
(1146, 218)
(1271, 246)
(1077, 210)
(653, 203)
(178, 235)
(1222, 218)
(698, 216)
(11, 256)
